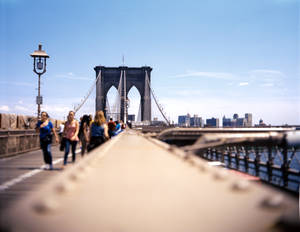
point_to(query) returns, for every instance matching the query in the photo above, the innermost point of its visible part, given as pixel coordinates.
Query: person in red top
(71, 135)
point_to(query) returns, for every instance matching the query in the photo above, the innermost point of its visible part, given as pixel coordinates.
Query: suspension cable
(89, 93)
(156, 102)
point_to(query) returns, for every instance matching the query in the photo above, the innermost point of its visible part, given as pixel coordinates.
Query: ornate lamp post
(39, 67)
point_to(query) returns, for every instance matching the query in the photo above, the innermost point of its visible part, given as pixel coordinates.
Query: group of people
(89, 133)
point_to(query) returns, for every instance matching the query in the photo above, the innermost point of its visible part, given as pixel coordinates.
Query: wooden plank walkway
(132, 183)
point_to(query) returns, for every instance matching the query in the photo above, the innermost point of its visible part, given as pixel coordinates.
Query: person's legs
(49, 156)
(67, 149)
(74, 143)
(45, 152)
(83, 148)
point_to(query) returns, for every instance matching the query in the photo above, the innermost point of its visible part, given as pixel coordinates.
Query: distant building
(196, 121)
(227, 122)
(261, 124)
(181, 120)
(248, 118)
(184, 120)
(158, 123)
(212, 122)
(131, 117)
(238, 122)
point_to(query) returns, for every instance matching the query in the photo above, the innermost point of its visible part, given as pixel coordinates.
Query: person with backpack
(98, 131)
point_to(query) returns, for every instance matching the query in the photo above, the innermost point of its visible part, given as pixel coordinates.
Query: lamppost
(39, 67)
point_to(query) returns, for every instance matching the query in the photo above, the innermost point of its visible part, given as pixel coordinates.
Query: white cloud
(4, 108)
(22, 109)
(256, 77)
(268, 72)
(267, 78)
(56, 109)
(263, 75)
(72, 76)
(216, 75)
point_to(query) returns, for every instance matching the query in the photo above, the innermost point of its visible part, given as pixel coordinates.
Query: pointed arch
(134, 99)
(113, 103)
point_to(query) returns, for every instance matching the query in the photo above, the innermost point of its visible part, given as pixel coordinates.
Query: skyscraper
(184, 120)
(248, 118)
(212, 122)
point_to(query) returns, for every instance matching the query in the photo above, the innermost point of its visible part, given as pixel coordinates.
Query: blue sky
(209, 57)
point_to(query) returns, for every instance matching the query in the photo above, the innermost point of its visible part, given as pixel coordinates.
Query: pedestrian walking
(45, 128)
(98, 131)
(61, 130)
(84, 131)
(111, 127)
(71, 136)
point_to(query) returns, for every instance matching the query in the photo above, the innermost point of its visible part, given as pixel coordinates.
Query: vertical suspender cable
(125, 97)
(89, 93)
(156, 102)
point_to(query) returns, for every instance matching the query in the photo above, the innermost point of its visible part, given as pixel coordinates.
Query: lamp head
(39, 60)
(39, 53)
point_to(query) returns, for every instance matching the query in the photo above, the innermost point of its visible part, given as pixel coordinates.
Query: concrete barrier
(17, 134)
(14, 142)
(13, 122)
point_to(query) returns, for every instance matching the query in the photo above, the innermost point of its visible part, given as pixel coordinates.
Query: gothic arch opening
(113, 103)
(134, 102)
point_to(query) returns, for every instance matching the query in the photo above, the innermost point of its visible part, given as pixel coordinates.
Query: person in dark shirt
(45, 128)
(111, 127)
(84, 133)
(98, 131)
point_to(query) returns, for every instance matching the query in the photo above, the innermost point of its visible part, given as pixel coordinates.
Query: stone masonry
(17, 134)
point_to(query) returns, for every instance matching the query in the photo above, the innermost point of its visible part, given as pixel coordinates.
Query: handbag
(62, 144)
(47, 139)
(95, 142)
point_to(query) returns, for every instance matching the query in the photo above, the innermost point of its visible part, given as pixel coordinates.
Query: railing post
(223, 156)
(285, 166)
(246, 159)
(219, 155)
(257, 161)
(237, 157)
(270, 163)
(229, 157)
(214, 157)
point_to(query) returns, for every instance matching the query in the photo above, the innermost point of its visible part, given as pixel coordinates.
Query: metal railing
(274, 157)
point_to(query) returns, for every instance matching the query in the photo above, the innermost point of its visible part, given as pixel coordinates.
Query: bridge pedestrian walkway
(24, 173)
(132, 183)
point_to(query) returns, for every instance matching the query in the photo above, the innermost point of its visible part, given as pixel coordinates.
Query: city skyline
(236, 121)
(211, 58)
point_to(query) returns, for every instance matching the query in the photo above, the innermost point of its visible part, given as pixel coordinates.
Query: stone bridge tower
(111, 76)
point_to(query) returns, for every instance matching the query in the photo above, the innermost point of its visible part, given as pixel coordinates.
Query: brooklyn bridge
(150, 178)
